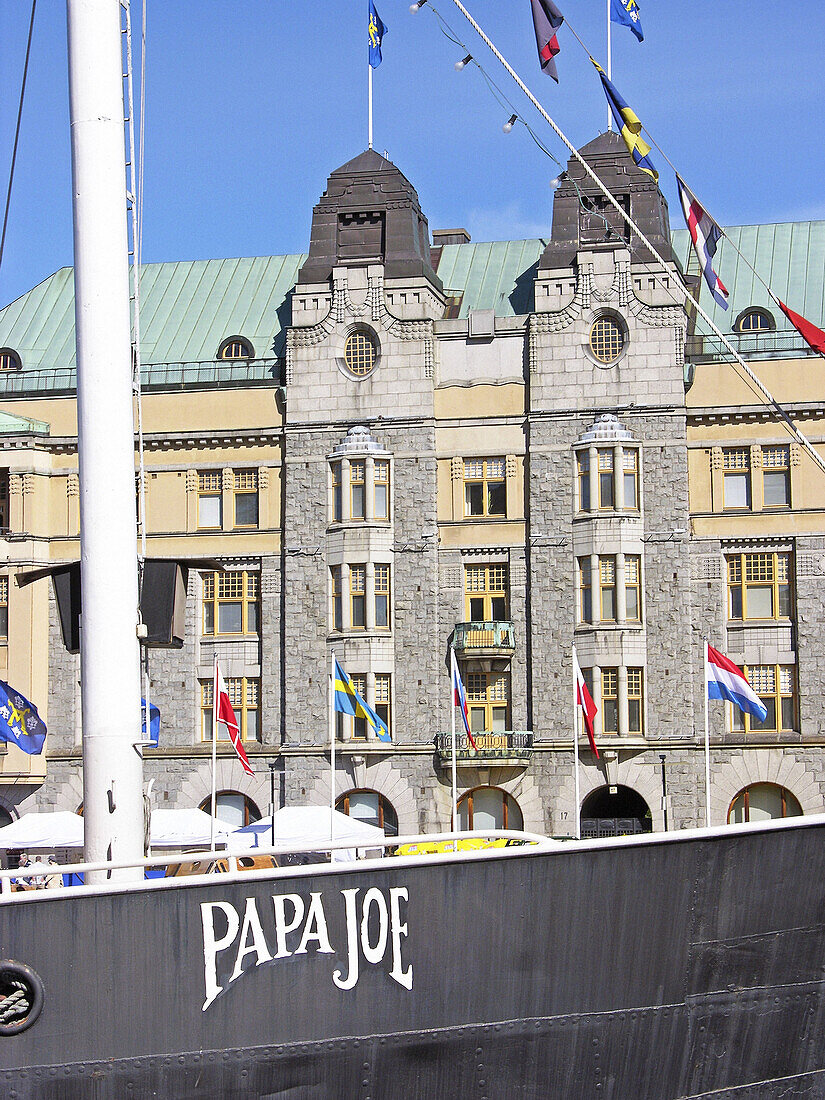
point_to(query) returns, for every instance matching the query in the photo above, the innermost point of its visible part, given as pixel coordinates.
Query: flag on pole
(814, 337)
(585, 701)
(348, 701)
(460, 698)
(376, 32)
(225, 714)
(20, 724)
(705, 234)
(546, 21)
(726, 681)
(626, 12)
(629, 126)
(154, 723)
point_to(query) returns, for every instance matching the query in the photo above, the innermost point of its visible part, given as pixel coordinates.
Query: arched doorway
(615, 811)
(763, 802)
(488, 808)
(232, 808)
(369, 806)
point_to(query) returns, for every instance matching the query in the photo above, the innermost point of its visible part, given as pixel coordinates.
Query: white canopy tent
(188, 827)
(306, 825)
(44, 831)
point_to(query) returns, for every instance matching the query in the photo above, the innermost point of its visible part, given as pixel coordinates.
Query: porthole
(607, 339)
(360, 353)
(9, 359)
(236, 347)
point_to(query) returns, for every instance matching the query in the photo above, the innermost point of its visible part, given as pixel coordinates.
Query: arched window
(233, 808)
(763, 802)
(236, 347)
(369, 806)
(622, 813)
(488, 808)
(9, 359)
(754, 320)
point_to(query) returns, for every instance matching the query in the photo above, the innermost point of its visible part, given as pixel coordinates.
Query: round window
(606, 340)
(360, 353)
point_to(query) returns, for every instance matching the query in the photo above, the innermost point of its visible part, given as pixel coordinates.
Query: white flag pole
(576, 780)
(214, 753)
(454, 767)
(707, 739)
(369, 69)
(609, 64)
(332, 724)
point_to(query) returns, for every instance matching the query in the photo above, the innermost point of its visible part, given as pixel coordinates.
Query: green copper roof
(22, 425)
(188, 308)
(789, 256)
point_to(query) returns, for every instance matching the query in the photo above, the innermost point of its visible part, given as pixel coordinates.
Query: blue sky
(251, 104)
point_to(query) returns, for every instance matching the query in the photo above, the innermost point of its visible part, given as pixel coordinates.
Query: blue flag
(377, 30)
(348, 701)
(20, 724)
(154, 722)
(626, 12)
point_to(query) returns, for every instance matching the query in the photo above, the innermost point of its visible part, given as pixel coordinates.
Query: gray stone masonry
(810, 616)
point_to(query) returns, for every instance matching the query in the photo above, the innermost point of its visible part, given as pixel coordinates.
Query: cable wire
(17, 133)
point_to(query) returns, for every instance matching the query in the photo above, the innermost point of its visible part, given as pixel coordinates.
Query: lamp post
(272, 765)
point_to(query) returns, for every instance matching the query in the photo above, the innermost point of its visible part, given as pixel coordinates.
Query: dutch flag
(726, 681)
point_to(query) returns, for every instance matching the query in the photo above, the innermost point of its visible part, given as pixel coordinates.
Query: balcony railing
(502, 747)
(750, 345)
(480, 638)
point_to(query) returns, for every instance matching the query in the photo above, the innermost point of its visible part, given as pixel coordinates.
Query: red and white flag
(460, 698)
(223, 712)
(585, 701)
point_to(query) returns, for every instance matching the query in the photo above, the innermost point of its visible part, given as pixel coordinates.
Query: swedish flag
(348, 701)
(629, 127)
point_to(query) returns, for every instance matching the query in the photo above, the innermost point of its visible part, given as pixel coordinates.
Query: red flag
(224, 713)
(546, 21)
(814, 337)
(585, 701)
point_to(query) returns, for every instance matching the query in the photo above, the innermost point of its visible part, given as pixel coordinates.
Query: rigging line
(767, 395)
(17, 133)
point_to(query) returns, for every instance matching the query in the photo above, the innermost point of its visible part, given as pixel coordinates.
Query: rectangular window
(776, 687)
(607, 495)
(736, 467)
(607, 588)
(337, 498)
(210, 500)
(585, 591)
(357, 481)
(4, 500)
(382, 489)
(633, 588)
(358, 596)
(610, 700)
(244, 696)
(382, 597)
(486, 590)
(759, 586)
(583, 473)
(635, 700)
(488, 700)
(246, 498)
(776, 477)
(359, 725)
(485, 488)
(337, 605)
(630, 484)
(383, 699)
(4, 609)
(231, 602)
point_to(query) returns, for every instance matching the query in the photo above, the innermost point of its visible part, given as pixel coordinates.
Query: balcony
(484, 639)
(514, 747)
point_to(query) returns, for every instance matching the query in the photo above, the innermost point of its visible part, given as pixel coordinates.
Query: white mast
(110, 654)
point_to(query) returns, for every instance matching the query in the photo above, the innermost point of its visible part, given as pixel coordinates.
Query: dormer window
(754, 320)
(9, 360)
(236, 347)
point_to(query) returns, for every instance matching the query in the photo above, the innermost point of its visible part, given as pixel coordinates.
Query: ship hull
(675, 967)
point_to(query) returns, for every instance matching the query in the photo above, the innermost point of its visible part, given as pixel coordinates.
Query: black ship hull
(672, 967)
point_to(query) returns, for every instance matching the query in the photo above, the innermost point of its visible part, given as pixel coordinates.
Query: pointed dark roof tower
(584, 219)
(369, 214)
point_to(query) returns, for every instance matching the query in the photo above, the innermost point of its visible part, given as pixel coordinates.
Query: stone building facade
(391, 450)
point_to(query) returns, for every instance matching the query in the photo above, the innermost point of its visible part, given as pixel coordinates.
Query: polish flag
(585, 701)
(223, 712)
